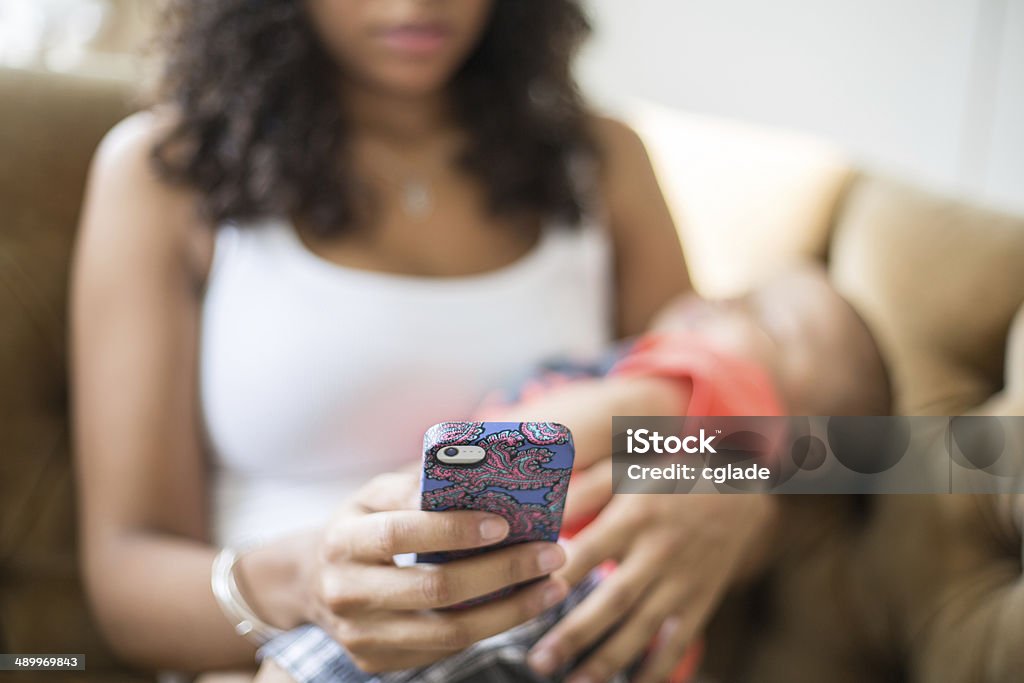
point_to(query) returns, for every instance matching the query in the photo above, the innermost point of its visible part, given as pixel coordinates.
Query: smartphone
(519, 470)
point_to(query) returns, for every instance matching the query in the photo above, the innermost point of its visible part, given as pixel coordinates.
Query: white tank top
(314, 377)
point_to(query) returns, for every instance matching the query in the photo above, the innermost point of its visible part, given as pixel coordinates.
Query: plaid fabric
(552, 373)
(309, 655)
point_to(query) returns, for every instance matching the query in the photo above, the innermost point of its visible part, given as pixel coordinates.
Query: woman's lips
(416, 39)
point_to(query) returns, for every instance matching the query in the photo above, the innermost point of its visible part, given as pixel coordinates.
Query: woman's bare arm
(136, 286)
(650, 268)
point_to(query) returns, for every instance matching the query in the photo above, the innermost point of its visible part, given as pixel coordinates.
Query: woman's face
(406, 47)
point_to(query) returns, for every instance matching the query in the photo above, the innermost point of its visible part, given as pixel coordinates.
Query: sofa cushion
(748, 200)
(49, 127)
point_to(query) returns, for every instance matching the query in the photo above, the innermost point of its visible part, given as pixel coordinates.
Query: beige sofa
(940, 282)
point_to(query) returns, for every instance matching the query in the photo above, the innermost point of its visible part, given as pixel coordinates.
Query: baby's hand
(270, 672)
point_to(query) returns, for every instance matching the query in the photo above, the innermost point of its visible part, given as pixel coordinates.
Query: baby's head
(819, 350)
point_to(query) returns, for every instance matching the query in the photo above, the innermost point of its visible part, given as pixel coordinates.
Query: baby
(793, 346)
(818, 352)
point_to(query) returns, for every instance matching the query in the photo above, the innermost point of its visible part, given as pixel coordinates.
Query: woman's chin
(412, 83)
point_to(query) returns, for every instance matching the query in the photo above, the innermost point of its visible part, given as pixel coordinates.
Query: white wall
(1006, 169)
(928, 89)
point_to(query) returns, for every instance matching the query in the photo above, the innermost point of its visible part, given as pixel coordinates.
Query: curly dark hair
(259, 129)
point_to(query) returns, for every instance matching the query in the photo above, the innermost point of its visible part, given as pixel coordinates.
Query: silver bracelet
(234, 606)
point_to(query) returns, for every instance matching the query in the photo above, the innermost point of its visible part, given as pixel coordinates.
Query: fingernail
(543, 661)
(552, 595)
(550, 559)
(493, 528)
(669, 628)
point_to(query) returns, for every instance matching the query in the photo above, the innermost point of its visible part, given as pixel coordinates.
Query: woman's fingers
(460, 580)
(674, 649)
(379, 536)
(631, 638)
(392, 491)
(361, 588)
(460, 629)
(589, 491)
(596, 615)
(432, 631)
(605, 538)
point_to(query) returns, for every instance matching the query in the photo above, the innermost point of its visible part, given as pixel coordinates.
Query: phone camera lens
(451, 451)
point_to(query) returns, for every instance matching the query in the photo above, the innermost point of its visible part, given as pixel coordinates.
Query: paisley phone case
(523, 476)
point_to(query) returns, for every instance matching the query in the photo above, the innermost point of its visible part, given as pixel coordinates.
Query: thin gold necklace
(415, 193)
(417, 197)
(415, 190)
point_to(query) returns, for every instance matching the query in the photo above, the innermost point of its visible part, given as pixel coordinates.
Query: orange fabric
(720, 384)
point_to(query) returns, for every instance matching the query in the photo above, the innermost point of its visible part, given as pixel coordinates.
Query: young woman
(344, 221)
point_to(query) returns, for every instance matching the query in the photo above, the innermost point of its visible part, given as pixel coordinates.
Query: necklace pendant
(417, 199)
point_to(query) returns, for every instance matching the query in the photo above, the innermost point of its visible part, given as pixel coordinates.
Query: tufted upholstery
(939, 281)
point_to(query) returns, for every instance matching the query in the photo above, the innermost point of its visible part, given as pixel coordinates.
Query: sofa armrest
(974, 618)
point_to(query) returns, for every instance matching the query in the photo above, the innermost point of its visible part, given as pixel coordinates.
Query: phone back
(523, 476)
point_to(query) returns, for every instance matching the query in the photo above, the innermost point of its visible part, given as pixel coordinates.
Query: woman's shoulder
(625, 167)
(612, 135)
(125, 156)
(129, 203)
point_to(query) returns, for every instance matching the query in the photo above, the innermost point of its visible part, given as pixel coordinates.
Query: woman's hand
(270, 672)
(677, 554)
(385, 615)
